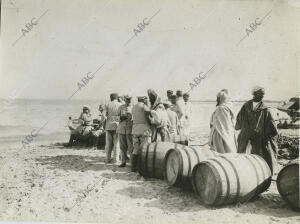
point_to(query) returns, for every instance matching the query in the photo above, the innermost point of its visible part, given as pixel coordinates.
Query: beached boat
(76, 128)
(291, 107)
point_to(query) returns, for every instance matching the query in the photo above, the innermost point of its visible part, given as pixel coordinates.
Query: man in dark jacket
(258, 129)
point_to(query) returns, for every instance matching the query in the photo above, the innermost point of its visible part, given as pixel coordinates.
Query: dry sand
(53, 183)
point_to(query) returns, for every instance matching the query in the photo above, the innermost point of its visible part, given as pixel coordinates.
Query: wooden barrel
(151, 162)
(230, 178)
(180, 139)
(179, 163)
(288, 183)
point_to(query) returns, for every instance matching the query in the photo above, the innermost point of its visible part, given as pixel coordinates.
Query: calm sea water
(19, 117)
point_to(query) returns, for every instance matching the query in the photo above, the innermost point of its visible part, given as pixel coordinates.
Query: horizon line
(51, 99)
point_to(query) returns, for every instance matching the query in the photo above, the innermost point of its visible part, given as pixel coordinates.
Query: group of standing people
(150, 119)
(255, 123)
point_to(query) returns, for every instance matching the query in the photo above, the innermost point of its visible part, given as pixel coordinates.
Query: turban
(151, 92)
(223, 97)
(256, 88)
(225, 90)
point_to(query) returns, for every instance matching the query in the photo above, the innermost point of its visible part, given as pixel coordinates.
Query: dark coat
(259, 127)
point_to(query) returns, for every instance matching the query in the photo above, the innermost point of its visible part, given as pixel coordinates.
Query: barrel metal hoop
(262, 162)
(255, 158)
(140, 164)
(237, 179)
(256, 172)
(146, 160)
(198, 159)
(227, 181)
(194, 185)
(154, 158)
(280, 190)
(189, 160)
(180, 168)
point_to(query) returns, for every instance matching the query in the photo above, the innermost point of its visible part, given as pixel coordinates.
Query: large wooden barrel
(288, 183)
(230, 178)
(179, 163)
(180, 139)
(151, 162)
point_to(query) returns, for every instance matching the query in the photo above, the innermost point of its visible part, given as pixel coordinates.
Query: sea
(21, 117)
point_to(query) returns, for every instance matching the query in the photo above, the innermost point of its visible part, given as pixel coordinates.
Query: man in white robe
(222, 136)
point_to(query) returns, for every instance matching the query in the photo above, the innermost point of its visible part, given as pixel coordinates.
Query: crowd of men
(129, 126)
(152, 119)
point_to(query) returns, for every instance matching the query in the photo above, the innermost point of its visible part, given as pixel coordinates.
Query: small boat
(76, 127)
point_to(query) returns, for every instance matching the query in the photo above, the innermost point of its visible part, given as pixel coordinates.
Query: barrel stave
(153, 157)
(188, 158)
(237, 178)
(288, 184)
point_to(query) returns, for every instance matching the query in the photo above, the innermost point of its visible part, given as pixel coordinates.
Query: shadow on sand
(79, 163)
(172, 199)
(159, 194)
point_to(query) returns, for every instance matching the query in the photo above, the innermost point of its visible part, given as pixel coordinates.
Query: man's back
(176, 108)
(112, 115)
(140, 121)
(125, 125)
(174, 121)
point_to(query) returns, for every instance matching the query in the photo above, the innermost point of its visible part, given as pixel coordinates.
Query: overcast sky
(184, 38)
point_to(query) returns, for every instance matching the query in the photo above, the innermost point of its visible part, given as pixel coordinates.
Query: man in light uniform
(175, 107)
(141, 132)
(111, 125)
(174, 123)
(180, 102)
(187, 113)
(124, 129)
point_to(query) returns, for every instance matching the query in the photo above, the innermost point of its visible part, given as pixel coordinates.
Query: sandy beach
(62, 58)
(50, 182)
